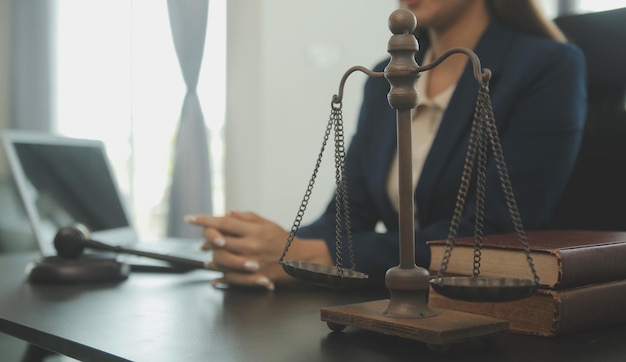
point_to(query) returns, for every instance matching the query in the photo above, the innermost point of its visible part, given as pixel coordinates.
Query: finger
(192, 219)
(213, 239)
(226, 225)
(226, 261)
(248, 280)
(246, 216)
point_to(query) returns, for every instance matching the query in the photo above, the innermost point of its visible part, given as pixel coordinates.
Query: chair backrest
(595, 197)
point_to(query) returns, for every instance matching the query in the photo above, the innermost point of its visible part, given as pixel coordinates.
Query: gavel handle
(196, 264)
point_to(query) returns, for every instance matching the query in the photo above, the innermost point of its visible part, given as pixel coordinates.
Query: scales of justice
(406, 313)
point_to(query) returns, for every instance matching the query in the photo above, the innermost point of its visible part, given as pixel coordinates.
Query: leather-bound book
(562, 258)
(551, 313)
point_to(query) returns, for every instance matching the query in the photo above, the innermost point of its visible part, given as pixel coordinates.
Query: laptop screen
(71, 183)
(64, 181)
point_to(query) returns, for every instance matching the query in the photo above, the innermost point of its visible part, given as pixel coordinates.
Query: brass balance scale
(406, 313)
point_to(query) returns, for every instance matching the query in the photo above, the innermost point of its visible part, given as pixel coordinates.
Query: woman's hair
(523, 15)
(526, 16)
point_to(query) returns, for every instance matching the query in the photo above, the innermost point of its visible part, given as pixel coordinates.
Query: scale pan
(323, 275)
(484, 289)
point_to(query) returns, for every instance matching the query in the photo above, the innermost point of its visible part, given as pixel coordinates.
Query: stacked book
(582, 279)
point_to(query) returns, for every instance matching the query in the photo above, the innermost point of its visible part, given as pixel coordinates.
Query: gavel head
(70, 242)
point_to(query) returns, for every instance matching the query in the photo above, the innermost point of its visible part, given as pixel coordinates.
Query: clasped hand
(246, 248)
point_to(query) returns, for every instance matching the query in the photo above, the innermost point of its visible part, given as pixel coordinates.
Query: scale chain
(341, 180)
(468, 166)
(339, 205)
(484, 131)
(309, 189)
(481, 180)
(342, 216)
(492, 130)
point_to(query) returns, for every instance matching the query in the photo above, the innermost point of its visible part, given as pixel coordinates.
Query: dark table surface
(181, 317)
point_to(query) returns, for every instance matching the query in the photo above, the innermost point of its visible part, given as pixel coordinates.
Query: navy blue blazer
(538, 94)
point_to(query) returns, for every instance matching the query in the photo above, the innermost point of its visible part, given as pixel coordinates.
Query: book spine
(534, 315)
(551, 313)
(588, 307)
(581, 266)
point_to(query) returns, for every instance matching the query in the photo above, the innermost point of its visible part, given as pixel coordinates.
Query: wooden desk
(180, 317)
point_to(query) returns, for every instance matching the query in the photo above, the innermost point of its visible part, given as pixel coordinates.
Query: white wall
(285, 60)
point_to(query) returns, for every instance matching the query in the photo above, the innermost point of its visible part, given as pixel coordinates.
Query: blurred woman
(539, 99)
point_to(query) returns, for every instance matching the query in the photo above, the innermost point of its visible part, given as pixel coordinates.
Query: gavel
(71, 242)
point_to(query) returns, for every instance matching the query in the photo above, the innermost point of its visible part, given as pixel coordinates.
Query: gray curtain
(190, 190)
(567, 7)
(27, 60)
(31, 63)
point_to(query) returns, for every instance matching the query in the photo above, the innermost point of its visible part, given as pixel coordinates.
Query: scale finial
(402, 21)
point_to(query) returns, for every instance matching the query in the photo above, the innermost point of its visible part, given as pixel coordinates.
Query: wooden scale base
(445, 328)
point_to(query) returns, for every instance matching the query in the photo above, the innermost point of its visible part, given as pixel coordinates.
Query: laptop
(64, 181)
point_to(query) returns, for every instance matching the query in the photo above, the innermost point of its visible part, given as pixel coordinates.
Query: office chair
(595, 198)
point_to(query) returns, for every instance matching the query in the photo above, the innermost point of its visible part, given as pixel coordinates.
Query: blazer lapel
(457, 119)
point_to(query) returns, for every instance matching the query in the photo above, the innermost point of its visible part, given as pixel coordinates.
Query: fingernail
(251, 265)
(190, 218)
(219, 241)
(219, 284)
(265, 282)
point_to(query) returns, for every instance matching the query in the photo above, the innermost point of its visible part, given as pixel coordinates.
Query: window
(586, 6)
(554, 8)
(117, 79)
